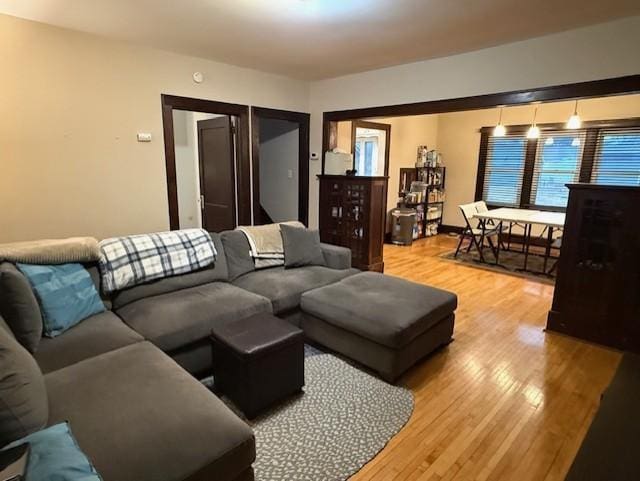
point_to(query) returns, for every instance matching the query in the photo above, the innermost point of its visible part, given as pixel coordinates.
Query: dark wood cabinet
(353, 215)
(597, 293)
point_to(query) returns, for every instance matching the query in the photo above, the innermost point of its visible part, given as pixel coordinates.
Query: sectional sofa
(126, 379)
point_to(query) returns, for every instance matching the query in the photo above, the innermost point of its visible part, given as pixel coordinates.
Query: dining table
(551, 221)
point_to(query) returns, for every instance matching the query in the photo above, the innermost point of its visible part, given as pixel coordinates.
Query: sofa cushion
(301, 246)
(96, 278)
(95, 335)
(382, 308)
(238, 252)
(217, 272)
(139, 416)
(19, 306)
(179, 318)
(23, 396)
(66, 295)
(54, 454)
(283, 287)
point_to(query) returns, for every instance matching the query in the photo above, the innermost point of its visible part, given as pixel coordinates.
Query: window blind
(504, 170)
(558, 161)
(617, 157)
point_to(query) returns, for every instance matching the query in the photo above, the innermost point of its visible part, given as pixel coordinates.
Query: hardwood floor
(505, 400)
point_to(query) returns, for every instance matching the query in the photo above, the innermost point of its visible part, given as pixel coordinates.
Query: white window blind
(504, 170)
(558, 161)
(617, 157)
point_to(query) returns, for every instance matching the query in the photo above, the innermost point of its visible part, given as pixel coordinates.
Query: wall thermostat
(198, 77)
(314, 155)
(144, 137)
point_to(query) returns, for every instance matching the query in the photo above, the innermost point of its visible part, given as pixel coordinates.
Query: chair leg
(470, 244)
(459, 245)
(493, 247)
(475, 241)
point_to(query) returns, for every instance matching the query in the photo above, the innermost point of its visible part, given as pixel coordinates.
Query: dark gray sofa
(120, 377)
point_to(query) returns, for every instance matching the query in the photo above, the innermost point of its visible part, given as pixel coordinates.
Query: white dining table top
(524, 216)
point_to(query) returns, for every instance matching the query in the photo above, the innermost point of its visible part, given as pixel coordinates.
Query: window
(514, 171)
(617, 158)
(558, 163)
(366, 154)
(504, 169)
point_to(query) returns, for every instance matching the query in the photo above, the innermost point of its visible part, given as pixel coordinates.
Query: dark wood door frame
(243, 164)
(363, 124)
(303, 121)
(582, 90)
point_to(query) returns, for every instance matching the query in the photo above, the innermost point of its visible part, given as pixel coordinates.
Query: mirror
(370, 148)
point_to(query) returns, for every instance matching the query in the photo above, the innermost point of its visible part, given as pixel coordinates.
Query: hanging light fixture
(574, 121)
(499, 130)
(534, 130)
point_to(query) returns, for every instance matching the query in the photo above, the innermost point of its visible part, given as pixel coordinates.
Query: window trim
(592, 136)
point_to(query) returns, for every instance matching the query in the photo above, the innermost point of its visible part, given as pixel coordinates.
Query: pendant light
(534, 130)
(574, 121)
(499, 130)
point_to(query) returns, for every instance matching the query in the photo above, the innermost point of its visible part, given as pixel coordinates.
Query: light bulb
(499, 131)
(574, 122)
(533, 132)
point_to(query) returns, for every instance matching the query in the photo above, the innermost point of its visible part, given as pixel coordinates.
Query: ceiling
(315, 39)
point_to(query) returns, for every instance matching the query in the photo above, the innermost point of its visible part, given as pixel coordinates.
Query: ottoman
(257, 361)
(383, 322)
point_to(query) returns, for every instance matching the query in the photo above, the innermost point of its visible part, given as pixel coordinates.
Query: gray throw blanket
(265, 242)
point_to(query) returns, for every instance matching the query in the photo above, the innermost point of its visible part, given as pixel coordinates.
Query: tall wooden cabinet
(597, 294)
(353, 215)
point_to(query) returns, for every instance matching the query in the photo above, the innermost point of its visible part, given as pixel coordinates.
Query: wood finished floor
(505, 400)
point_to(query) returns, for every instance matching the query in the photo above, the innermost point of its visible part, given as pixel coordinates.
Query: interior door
(217, 174)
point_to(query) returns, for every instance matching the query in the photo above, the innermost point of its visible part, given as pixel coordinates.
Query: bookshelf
(429, 204)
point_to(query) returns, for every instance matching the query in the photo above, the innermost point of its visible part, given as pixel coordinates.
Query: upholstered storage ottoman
(257, 361)
(383, 322)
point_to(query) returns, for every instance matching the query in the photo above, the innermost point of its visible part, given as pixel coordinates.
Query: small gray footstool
(383, 322)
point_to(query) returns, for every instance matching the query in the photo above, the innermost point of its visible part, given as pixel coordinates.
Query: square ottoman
(257, 361)
(383, 322)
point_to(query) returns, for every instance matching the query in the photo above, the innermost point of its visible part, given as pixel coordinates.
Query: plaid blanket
(136, 259)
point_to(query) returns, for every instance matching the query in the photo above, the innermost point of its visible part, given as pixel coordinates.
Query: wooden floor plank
(505, 400)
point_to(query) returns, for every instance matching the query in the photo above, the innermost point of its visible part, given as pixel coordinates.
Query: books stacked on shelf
(423, 188)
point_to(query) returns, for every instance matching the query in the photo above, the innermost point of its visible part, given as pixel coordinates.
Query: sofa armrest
(336, 257)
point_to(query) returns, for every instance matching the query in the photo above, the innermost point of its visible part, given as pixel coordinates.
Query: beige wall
(70, 108)
(459, 138)
(601, 51)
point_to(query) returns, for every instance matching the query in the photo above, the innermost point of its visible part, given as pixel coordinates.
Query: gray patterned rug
(343, 419)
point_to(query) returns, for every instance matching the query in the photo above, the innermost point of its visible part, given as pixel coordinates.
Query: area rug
(510, 263)
(341, 421)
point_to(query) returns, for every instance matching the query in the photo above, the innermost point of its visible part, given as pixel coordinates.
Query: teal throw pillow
(66, 295)
(54, 455)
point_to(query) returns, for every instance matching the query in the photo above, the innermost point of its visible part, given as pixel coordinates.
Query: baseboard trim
(446, 229)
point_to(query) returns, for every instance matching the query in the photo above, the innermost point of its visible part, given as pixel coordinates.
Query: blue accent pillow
(66, 295)
(54, 455)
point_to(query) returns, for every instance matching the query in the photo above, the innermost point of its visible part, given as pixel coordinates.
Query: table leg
(481, 246)
(547, 250)
(527, 241)
(498, 246)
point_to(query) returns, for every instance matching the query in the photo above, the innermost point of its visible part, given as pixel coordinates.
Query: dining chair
(476, 235)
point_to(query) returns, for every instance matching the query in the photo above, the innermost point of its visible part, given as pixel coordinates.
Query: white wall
(70, 108)
(278, 157)
(602, 51)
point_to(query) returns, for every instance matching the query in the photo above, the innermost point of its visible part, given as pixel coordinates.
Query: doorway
(207, 163)
(280, 154)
